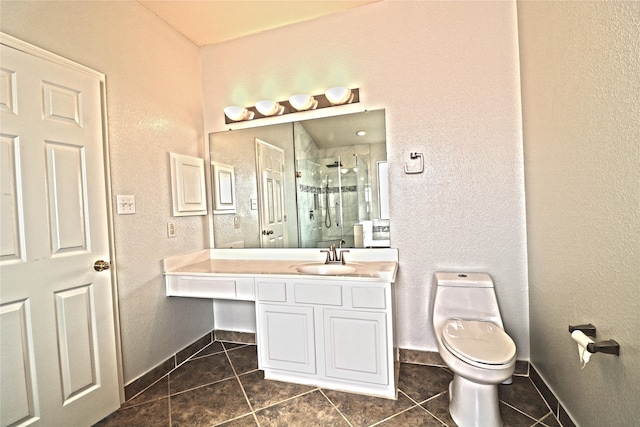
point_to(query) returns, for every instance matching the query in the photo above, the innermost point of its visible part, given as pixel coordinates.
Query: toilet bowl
(472, 342)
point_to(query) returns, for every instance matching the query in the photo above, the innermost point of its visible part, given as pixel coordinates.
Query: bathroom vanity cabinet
(329, 331)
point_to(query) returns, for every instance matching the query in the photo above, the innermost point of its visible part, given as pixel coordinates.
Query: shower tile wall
(308, 191)
(311, 164)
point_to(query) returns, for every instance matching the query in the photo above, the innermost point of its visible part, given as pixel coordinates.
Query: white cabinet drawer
(318, 294)
(211, 287)
(272, 291)
(368, 297)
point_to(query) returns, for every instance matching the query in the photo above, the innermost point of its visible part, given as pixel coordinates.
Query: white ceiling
(214, 21)
(340, 130)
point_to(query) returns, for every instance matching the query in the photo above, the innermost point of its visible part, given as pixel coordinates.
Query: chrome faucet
(333, 255)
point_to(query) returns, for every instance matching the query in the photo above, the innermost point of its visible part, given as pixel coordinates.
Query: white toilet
(472, 342)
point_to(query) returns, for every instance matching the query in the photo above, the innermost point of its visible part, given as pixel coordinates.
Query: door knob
(267, 232)
(101, 265)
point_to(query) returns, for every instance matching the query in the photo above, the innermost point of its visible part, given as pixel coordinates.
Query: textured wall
(581, 109)
(447, 74)
(154, 99)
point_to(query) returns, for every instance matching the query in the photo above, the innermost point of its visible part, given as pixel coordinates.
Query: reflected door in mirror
(271, 189)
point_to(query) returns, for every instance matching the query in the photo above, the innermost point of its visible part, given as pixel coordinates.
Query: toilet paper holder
(608, 346)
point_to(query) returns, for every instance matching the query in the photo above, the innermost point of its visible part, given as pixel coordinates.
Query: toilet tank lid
(475, 280)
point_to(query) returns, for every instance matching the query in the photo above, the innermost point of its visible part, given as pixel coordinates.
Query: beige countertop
(370, 266)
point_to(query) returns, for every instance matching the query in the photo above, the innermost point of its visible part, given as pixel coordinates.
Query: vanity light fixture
(269, 108)
(303, 102)
(339, 95)
(237, 114)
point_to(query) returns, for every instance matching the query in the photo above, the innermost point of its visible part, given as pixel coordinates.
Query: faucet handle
(328, 260)
(341, 256)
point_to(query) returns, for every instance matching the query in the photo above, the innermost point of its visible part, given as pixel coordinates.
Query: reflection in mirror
(330, 181)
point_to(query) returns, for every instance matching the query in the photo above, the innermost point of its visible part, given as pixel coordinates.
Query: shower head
(334, 164)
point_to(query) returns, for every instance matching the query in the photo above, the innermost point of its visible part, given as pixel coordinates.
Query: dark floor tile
(522, 368)
(153, 414)
(439, 406)
(513, 418)
(547, 394)
(309, 410)
(201, 371)
(193, 348)
(213, 348)
(209, 405)
(155, 392)
(262, 393)
(549, 421)
(564, 418)
(415, 416)
(246, 421)
(523, 395)
(362, 411)
(231, 345)
(421, 382)
(431, 358)
(235, 337)
(244, 359)
(149, 378)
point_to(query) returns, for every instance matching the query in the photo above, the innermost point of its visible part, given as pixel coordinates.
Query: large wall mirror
(304, 184)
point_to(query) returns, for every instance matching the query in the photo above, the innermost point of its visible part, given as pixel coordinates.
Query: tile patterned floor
(222, 386)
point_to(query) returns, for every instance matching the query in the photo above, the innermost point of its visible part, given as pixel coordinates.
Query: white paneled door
(271, 188)
(58, 341)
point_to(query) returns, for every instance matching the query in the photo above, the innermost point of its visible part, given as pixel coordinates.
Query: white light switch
(171, 229)
(126, 205)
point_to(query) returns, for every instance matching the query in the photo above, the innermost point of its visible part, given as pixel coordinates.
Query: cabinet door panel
(286, 338)
(355, 345)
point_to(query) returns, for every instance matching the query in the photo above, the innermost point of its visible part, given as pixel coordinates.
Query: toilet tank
(464, 296)
(476, 280)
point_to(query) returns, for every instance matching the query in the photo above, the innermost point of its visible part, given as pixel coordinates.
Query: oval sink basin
(326, 269)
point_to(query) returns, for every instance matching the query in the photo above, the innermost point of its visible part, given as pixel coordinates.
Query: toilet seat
(479, 343)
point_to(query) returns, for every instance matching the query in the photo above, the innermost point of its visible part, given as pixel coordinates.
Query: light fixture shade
(302, 102)
(339, 95)
(237, 114)
(269, 108)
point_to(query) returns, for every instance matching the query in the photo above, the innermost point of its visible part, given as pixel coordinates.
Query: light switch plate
(125, 205)
(171, 229)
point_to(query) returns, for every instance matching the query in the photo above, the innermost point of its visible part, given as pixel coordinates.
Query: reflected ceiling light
(339, 95)
(303, 102)
(269, 108)
(237, 114)
(361, 133)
